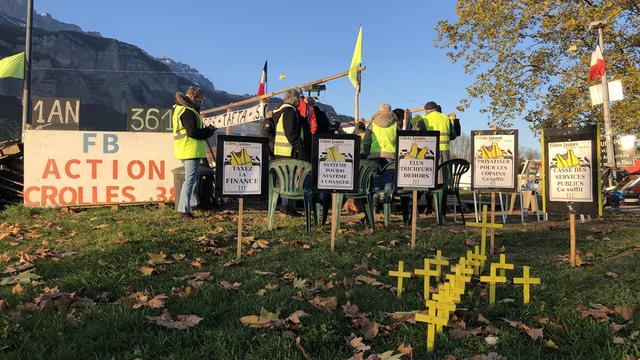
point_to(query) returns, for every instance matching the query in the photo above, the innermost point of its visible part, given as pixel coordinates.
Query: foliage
(531, 58)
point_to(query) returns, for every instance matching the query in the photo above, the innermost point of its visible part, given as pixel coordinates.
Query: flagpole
(357, 103)
(26, 87)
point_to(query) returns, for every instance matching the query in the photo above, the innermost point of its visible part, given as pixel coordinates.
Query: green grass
(108, 259)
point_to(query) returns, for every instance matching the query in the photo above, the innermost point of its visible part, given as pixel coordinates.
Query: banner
(417, 160)
(495, 160)
(571, 170)
(336, 163)
(241, 166)
(236, 117)
(68, 168)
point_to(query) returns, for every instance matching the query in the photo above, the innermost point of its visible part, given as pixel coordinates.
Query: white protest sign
(67, 168)
(335, 163)
(416, 161)
(495, 156)
(236, 117)
(242, 167)
(570, 171)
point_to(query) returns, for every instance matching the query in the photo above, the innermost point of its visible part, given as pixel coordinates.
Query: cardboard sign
(572, 174)
(55, 114)
(336, 162)
(236, 117)
(495, 160)
(417, 160)
(68, 168)
(241, 166)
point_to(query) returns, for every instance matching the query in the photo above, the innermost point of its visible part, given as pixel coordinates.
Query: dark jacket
(190, 121)
(293, 124)
(322, 120)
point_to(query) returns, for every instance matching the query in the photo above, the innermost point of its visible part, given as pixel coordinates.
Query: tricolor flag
(356, 60)
(262, 88)
(597, 68)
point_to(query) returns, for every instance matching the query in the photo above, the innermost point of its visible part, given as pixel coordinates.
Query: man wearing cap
(434, 120)
(189, 144)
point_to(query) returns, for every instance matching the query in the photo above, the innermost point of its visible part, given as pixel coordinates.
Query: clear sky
(228, 41)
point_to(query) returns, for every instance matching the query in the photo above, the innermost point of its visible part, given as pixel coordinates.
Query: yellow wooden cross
(427, 273)
(401, 275)
(444, 308)
(493, 279)
(526, 281)
(480, 257)
(464, 268)
(439, 261)
(473, 262)
(446, 294)
(432, 320)
(484, 226)
(502, 265)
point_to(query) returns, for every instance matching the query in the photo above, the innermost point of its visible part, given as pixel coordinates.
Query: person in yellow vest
(379, 145)
(293, 138)
(189, 144)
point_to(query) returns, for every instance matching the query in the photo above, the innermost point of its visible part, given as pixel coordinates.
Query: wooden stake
(240, 218)
(357, 117)
(572, 227)
(334, 220)
(493, 221)
(414, 217)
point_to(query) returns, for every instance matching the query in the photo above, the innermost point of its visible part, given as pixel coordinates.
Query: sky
(229, 41)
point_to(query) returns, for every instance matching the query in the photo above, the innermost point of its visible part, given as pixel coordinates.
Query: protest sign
(417, 160)
(241, 166)
(495, 160)
(336, 163)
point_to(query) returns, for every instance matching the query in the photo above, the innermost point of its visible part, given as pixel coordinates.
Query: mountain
(109, 76)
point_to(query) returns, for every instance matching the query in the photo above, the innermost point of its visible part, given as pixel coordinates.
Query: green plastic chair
(368, 169)
(290, 175)
(388, 196)
(452, 172)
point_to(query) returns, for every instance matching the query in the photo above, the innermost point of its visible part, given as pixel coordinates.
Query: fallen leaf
(182, 291)
(491, 340)
(405, 350)
(72, 320)
(322, 303)
(262, 244)
(625, 312)
(535, 334)
(148, 271)
(25, 277)
(299, 283)
(357, 344)
(616, 327)
(53, 298)
(350, 310)
(156, 259)
(178, 257)
(197, 279)
(181, 322)
(408, 317)
(17, 289)
(232, 262)
(158, 301)
(198, 262)
(228, 286)
(483, 319)
(618, 340)
(551, 345)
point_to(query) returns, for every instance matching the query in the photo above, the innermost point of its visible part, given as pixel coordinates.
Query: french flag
(597, 68)
(263, 81)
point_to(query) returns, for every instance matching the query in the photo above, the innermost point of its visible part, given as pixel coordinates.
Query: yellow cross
(444, 308)
(446, 294)
(439, 261)
(400, 274)
(432, 320)
(493, 279)
(480, 256)
(473, 262)
(457, 283)
(427, 273)
(484, 226)
(464, 268)
(502, 265)
(526, 281)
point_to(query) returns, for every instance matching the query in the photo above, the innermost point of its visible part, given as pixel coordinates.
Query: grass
(110, 247)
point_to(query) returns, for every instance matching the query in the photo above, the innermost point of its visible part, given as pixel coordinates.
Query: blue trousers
(188, 196)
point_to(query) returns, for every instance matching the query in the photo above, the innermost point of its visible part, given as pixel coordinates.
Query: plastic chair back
(290, 174)
(452, 172)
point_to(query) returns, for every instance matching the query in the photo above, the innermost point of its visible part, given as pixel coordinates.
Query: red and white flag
(262, 88)
(597, 68)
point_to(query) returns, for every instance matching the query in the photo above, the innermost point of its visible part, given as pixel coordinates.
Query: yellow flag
(12, 66)
(356, 60)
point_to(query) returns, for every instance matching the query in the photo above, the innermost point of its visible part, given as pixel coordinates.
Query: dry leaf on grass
(143, 299)
(625, 312)
(18, 267)
(17, 289)
(181, 322)
(53, 298)
(405, 350)
(491, 340)
(229, 286)
(322, 303)
(357, 344)
(198, 262)
(232, 263)
(402, 316)
(596, 311)
(618, 340)
(489, 356)
(148, 270)
(182, 291)
(271, 320)
(25, 277)
(350, 310)
(369, 329)
(157, 259)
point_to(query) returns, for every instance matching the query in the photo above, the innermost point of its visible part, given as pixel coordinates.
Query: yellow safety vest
(383, 141)
(185, 147)
(436, 121)
(281, 146)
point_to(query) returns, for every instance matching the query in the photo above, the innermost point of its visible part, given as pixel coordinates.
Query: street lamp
(611, 160)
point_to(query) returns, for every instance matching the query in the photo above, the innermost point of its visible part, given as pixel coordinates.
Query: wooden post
(334, 219)
(405, 121)
(240, 218)
(414, 218)
(357, 103)
(493, 221)
(572, 229)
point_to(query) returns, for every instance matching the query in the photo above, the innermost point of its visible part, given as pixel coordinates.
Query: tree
(531, 58)
(461, 147)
